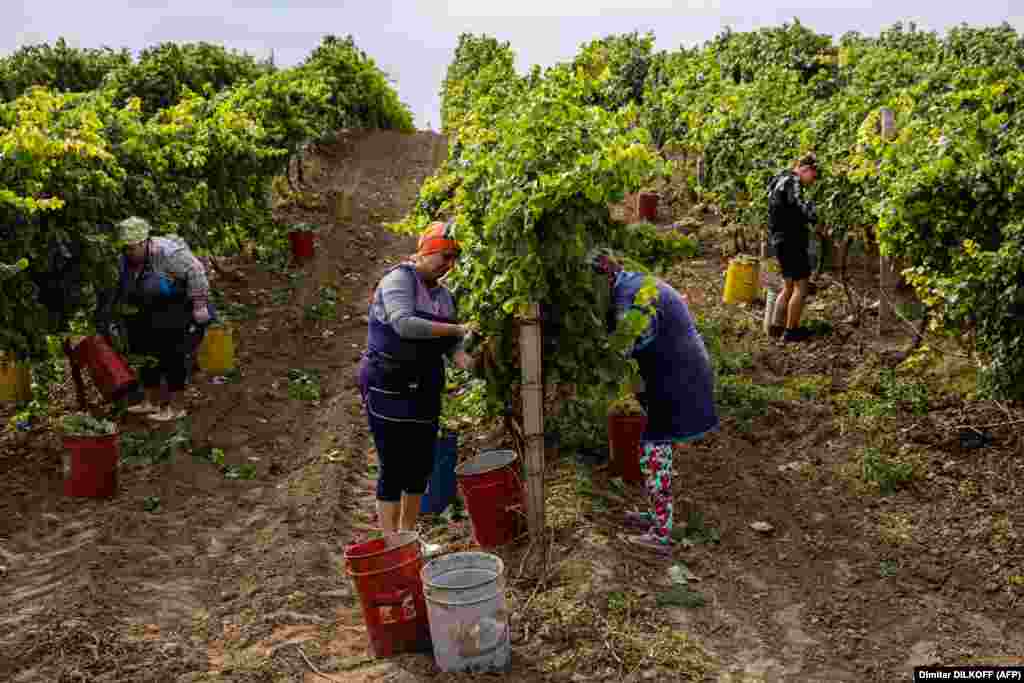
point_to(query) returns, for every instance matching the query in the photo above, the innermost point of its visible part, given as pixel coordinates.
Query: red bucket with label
(647, 206)
(90, 465)
(493, 494)
(303, 244)
(386, 574)
(624, 434)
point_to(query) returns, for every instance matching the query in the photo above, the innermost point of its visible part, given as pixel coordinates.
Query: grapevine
(189, 136)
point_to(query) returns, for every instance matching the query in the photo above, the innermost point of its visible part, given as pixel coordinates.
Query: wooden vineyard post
(886, 276)
(533, 419)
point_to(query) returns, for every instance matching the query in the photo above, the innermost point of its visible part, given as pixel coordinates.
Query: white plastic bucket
(813, 254)
(465, 595)
(771, 296)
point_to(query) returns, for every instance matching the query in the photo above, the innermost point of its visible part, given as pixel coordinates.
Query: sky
(413, 40)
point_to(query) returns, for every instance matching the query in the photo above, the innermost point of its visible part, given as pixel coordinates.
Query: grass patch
(895, 528)
(304, 385)
(887, 472)
(887, 568)
(742, 399)
(905, 393)
(585, 488)
(215, 456)
(696, 530)
(1003, 534)
(680, 596)
(808, 387)
(280, 297)
(735, 362)
(861, 409)
(878, 399)
(326, 306)
(722, 336)
(231, 310)
(248, 585)
(618, 633)
(273, 250)
(968, 488)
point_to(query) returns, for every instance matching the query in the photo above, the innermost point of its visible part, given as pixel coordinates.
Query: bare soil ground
(243, 580)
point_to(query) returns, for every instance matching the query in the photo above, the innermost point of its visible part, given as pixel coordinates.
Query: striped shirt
(169, 255)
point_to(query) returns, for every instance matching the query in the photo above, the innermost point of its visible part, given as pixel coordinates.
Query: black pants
(168, 351)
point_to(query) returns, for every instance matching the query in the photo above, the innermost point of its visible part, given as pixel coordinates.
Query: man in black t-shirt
(790, 218)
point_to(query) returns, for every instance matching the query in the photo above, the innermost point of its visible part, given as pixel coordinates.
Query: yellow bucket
(15, 381)
(217, 352)
(741, 281)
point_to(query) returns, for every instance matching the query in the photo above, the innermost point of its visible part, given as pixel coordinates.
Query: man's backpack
(773, 193)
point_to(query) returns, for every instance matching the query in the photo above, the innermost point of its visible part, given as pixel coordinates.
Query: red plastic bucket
(624, 432)
(303, 242)
(90, 465)
(493, 495)
(109, 371)
(386, 574)
(647, 206)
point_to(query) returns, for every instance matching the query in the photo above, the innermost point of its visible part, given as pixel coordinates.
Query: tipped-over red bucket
(493, 495)
(303, 244)
(109, 371)
(624, 433)
(386, 574)
(90, 465)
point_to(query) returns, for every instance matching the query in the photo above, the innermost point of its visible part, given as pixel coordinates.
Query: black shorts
(405, 457)
(795, 260)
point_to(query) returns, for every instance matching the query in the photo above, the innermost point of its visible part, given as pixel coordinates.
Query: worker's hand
(201, 314)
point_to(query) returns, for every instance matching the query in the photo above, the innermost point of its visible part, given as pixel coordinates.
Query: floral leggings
(656, 464)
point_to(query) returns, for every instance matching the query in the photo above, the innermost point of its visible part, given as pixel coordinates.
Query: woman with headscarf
(413, 327)
(164, 297)
(678, 393)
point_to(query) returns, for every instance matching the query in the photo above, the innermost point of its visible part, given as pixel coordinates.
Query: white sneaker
(142, 408)
(167, 414)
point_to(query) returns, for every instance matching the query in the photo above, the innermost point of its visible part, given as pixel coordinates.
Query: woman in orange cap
(412, 329)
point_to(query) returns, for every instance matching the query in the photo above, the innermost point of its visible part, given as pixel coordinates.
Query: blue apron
(679, 381)
(401, 380)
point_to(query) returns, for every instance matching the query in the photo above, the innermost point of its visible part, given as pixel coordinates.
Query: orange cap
(437, 237)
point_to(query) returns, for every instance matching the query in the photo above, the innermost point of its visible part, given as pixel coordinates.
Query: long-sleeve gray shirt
(395, 303)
